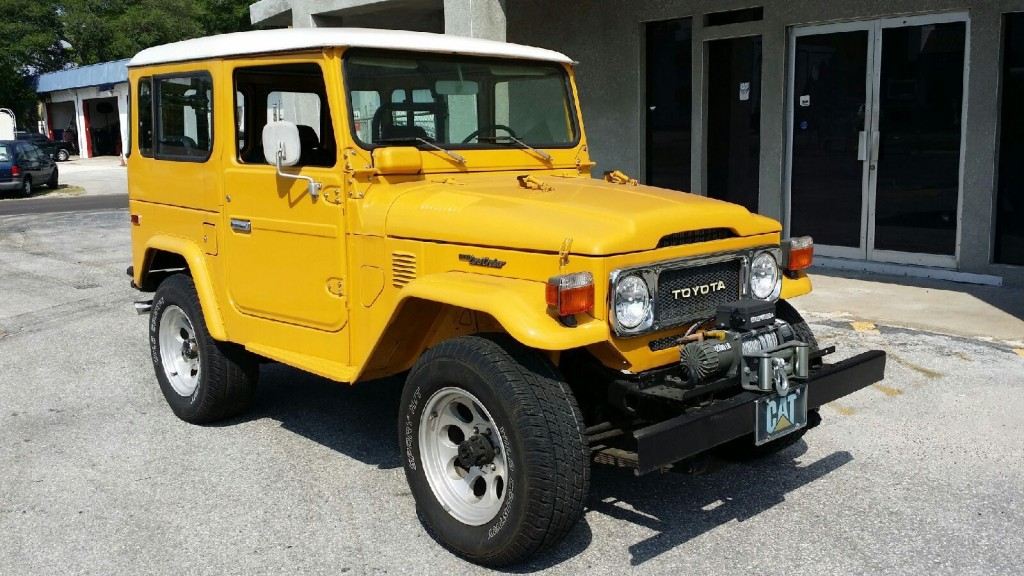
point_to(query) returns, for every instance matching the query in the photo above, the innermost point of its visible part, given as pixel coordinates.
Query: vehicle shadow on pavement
(682, 507)
(357, 421)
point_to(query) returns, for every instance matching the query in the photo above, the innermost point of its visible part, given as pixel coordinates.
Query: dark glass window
(185, 117)
(1009, 244)
(294, 93)
(669, 103)
(145, 127)
(734, 120)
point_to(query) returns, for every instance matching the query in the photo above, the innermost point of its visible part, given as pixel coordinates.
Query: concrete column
(83, 149)
(475, 18)
(122, 117)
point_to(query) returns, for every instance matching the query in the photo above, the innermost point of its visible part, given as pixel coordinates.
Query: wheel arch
(442, 306)
(167, 255)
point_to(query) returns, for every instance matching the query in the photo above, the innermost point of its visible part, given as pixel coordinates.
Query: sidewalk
(96, 176)
(983, 312)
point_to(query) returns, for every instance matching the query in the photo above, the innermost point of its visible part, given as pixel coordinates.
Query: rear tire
(26, 187)
(62, 155)
(743, 448)
(203, 380)
(519, 422)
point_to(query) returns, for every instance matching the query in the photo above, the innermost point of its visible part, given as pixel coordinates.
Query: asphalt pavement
(47, 204)
(922, 474)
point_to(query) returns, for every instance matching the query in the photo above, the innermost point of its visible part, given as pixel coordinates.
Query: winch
(747, 342)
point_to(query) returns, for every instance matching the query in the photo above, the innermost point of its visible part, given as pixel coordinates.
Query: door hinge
(332, 195)
(336, 286)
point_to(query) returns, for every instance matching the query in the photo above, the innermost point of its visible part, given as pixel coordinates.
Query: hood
(600, 217)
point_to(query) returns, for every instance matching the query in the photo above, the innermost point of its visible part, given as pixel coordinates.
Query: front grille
(695, 237)
(682, 295)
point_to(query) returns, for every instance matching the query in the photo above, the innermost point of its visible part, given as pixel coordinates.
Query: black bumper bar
(673, 440)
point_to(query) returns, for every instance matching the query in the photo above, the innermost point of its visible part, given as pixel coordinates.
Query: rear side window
(184, 123)
(5, 153)
(145, 126)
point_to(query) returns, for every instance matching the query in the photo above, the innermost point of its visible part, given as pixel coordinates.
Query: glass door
(828, 175)
(875, 138)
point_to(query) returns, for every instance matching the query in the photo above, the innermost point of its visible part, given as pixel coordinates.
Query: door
(734, 120)
(875, 140)
(284, 246)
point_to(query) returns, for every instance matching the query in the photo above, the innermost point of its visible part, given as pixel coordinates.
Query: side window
(292, 92)
(365, 104)
(243, 136)
(184, 117)
(144, 128)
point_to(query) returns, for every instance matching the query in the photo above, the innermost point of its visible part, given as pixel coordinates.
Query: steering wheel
(475, 133)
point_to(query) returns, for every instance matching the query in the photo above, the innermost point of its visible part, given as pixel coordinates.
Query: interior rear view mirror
(456, 88)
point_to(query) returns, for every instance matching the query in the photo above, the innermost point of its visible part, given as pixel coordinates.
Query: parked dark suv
(59, 151)
(23, 166)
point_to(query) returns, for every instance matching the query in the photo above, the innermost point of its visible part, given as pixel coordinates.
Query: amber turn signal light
(798, 253)
(570, 294)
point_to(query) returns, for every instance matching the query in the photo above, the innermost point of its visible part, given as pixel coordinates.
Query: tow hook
(143, 306)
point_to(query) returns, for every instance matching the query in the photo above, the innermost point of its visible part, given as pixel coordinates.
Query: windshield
(458, 101)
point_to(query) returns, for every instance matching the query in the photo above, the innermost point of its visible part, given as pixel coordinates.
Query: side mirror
(281, 144)
(398, 160)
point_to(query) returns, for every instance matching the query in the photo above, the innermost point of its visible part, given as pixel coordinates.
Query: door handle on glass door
(862, 146)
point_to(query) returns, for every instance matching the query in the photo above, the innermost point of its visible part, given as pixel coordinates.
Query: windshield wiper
(458, 158)
(541, 153)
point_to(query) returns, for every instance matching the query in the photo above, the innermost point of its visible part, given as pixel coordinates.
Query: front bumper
(670, 441)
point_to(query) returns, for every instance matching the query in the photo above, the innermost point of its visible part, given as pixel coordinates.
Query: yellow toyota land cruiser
(365, 203)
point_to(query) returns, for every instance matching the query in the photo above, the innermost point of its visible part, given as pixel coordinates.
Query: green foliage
(44, 35)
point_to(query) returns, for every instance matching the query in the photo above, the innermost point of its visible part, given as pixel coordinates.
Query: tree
(29, 44)
(39, 36)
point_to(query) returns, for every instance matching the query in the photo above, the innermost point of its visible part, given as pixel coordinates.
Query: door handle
(862, 146)
(240, 225)
(876, 138)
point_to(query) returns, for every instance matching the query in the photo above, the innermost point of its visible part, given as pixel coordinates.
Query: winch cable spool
(707, 355)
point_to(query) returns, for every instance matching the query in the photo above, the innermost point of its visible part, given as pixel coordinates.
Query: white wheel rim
(472, 494)
(179, 351)
(26, 187)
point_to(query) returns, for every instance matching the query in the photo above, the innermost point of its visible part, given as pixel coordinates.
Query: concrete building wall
(606, 37)
(608, 44)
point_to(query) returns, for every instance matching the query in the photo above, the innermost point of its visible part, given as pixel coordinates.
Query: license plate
(776, 416)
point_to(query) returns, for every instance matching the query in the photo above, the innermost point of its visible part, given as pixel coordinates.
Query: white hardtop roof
(292, 39)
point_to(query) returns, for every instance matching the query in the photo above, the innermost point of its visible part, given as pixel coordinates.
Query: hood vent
(695, 237)
(403, 268)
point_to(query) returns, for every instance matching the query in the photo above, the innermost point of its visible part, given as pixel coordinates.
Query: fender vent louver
(695, 236)
(403, 268)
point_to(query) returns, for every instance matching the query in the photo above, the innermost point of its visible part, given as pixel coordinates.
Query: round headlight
(764, 276)
(632, 302)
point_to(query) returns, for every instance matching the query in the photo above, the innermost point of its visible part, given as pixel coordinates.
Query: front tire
(62, 155)
(203, 380)
(52, 182)
(493, 449)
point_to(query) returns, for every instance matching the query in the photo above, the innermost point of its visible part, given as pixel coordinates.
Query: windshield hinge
(529, 182)
(620, 177)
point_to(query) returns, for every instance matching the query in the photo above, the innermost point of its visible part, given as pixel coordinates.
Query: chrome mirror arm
(313, 186)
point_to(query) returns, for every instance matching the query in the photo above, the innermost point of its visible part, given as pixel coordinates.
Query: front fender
(518, 305)
(196, 260)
